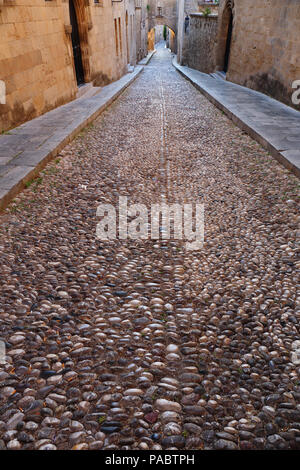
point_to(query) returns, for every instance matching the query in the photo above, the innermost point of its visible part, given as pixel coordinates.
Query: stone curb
(290, 159)
(28, 164)
(147, 59)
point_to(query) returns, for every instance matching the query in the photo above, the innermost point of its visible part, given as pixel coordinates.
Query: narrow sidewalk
(25, 150)
(273, 124)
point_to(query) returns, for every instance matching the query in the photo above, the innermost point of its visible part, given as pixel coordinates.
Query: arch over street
(164, 14)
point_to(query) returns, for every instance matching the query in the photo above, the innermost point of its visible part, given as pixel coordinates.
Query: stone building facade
(255, 43)
(50, 48)
(200, 43)
(171, 40)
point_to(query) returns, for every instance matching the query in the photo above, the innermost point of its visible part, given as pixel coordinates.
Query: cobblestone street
(130, 344)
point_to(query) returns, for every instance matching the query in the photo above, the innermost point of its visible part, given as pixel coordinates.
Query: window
(116, 36)
(120, 35)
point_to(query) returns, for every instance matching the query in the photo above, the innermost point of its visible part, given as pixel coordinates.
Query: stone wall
(130, 30)
(199, 52)
(159, 33)
(184, 9)
(265, 46)
(142, 28)
(151, 39)
(211, 5)
(35, 60)
(36, 56)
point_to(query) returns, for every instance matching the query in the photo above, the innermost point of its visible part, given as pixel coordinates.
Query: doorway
(76, 45)
(228, 42)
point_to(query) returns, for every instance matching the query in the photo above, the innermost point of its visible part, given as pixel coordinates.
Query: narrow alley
(128, 344)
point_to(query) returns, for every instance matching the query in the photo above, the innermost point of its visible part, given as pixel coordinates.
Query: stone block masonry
(199, 52)
(199, 348)
(263, 51)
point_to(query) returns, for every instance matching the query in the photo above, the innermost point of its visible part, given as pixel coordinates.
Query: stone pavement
(273, 124)
(140, 343)
(147, 59)
(25, 150)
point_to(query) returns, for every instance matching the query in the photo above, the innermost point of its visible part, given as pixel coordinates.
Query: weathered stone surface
(234, 383)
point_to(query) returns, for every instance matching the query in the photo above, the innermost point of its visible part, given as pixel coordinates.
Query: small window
(116, 36)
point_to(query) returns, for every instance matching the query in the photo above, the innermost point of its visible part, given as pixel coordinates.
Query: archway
(225, 35)
(76, 44)
(164, 13)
